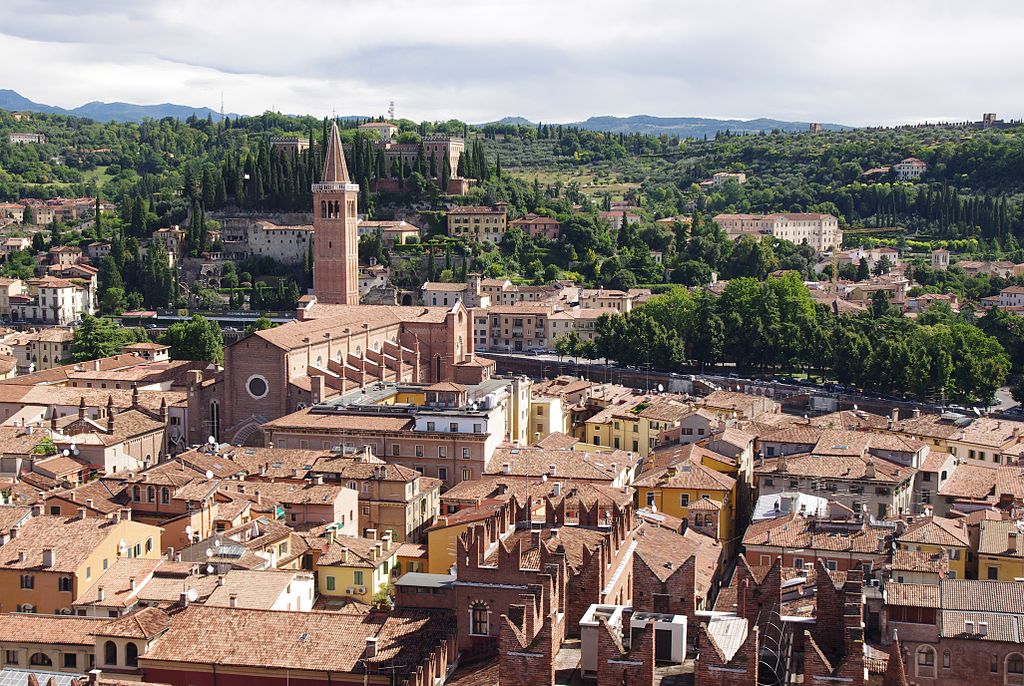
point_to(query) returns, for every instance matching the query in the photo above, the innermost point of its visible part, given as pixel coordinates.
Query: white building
(820, 231)
(720, 178)
(51, 300)
(243, 237)
(909, 169)
(26, 138)
(1011, 297)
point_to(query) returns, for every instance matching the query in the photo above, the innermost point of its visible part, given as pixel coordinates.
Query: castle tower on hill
(335, 226)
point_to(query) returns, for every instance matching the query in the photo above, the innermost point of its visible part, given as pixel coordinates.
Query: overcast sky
(868, 62)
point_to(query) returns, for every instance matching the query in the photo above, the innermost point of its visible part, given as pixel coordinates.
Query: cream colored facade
(820, 231)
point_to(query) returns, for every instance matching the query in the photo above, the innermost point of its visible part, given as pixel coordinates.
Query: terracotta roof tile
(298, 640)
(912, 595)
(936, 531)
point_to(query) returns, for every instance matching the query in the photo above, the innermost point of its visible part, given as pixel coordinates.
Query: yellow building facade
(52, 560)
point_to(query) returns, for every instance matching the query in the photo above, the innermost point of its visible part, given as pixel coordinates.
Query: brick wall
(758, 598)
(675, 595)
(617, 666)
(714, 670)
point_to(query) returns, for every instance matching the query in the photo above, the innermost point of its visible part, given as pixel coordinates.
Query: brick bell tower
(335, 230)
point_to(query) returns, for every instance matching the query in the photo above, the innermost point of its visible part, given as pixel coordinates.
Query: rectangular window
(330, 583)
(465, 453)
(798, 562)
(357, 577)
(366, 510)
(419, 451)
(395, 450)
(442, 473)
(430, 426)
(993, 573)
(831, 565)
(478, 428)
(442, 451)
(453, 427)
(11, 657)
(466, 474)
(650, 499)
(684, 500)
(70, 660)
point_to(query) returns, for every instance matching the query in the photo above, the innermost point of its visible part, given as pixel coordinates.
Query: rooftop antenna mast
(391, 111)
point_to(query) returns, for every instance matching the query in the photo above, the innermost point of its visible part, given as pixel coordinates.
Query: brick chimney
(233, 600)
(371, 647)
(100, 595)
(49, 557)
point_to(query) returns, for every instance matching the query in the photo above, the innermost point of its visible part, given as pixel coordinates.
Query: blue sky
(869, 62)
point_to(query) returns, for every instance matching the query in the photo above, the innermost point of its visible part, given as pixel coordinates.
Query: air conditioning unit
(348, 591)
(361, 590)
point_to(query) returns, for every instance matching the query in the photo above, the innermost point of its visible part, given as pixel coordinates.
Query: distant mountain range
(107, 111)
(694, 127)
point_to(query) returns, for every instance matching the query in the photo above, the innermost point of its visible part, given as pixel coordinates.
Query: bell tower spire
(335, 229)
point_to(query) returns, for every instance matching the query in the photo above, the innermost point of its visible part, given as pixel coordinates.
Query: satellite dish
(211, 440)
(74, 448)
(188, 531)
(216, 541)
(192, 595)
(209, 474)
(976, 411)
(65, 452)
(661, 389)
(855, 407)
(209, 569)
(654, 508)
(209, 552)
(544, 477)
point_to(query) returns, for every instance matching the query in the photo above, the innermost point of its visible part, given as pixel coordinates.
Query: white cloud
(872, 62)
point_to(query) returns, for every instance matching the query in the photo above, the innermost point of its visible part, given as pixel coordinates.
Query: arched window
(110, 653)
(479, 619)
(323, 208)
(926, 662)
(40, 660)
(215, 419)
(66, 584)
(131, 655)
(151, 494)
(136, 493)
(946, 659)
(437, 368)
(165, 495)
(1014, 669)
